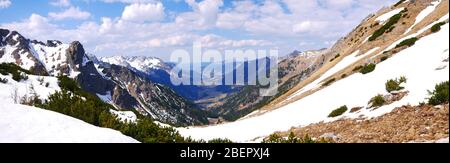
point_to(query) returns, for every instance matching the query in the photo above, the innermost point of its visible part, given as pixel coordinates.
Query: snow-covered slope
(141, 63)
(25, 124)
(424, 65)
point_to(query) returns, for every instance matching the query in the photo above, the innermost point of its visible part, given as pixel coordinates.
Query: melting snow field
(421, 64)
(24, 124)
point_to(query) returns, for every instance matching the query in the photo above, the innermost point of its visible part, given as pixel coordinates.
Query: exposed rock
(404, 124)
(355, 109)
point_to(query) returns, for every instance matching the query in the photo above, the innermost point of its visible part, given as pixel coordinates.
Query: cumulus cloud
(204, 13)
(60, 3)
(70, 13)
(140, 12)
(286, 24)
(4, 3)
(130, 1)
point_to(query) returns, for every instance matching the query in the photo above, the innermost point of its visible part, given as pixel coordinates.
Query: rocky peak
(75, 55)
(53, 43)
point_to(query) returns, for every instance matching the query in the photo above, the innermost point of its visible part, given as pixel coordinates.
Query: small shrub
(339, 111)
(329, 82)
(221, 141)
(47, 84)
(384, 58)
(440, 94)
(367, 68)
(275, 138)
(437, 27)
(377, 101)
(386, 27)
(337, 56)
(408, 42)
(394, 84)
(68, 84)
(17, 72)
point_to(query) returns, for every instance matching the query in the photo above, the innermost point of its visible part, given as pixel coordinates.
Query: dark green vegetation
(337, 56)
(377, 101)
(329, 82)
(275, 138)
(74, 102)
(384, 58)
(389, 26)
(394, 84)
(367, 68)
(440, 94)
(399, 2)
(17, 72)
(219, 140)
(339, 111)
(408, 42)
(437, 27)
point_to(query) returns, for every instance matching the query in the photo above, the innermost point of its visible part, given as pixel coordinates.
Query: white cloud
(139, 12)
(60, 3)
(70, 13)
(4, 3)
(34, 25)
(215, 41)
(204, 14)
(287, 24)
(130, 1)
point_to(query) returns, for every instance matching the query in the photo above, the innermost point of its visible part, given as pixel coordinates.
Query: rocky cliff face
(16, 49)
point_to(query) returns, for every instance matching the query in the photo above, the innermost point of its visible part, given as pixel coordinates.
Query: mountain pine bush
(389, 26)
(437, 27)
(275, 138)
(339, 111)
(74, 102)
(17, 72)
(377, 101)
(408, 42)
(367, 68)
(440, 94)
(394, 84)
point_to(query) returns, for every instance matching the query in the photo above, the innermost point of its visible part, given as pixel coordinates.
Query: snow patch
(424, 13)
(388, 15)
(25, 124)
(125, 116)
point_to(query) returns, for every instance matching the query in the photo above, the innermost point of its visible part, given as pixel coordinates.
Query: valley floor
(422, 123)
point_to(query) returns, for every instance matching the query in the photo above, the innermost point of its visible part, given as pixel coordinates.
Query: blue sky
(157, 27)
